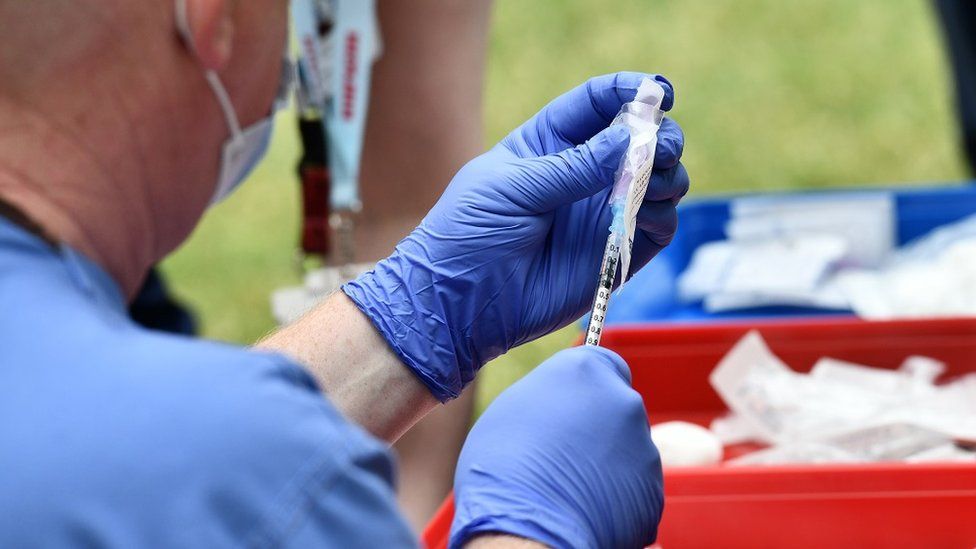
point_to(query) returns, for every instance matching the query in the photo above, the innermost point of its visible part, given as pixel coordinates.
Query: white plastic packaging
(786, 250)
(841, 411)
(643, 117)
(834, 252)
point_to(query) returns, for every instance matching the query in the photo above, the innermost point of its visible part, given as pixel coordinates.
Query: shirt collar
(84, 273)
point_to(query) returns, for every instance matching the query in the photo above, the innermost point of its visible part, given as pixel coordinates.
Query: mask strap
(183, 27)
(224, 100)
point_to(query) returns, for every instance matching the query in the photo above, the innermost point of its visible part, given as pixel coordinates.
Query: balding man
(123, 121)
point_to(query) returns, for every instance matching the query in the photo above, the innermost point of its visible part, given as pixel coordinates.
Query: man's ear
(211, 30)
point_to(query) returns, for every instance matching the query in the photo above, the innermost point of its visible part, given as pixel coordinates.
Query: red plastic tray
(873, 505)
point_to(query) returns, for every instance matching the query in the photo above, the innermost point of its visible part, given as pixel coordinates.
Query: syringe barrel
(608, 271)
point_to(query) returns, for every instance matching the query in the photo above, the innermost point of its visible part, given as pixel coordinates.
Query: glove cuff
(506, 515)
(400, 299)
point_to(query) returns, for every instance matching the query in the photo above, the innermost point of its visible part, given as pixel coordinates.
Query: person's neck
(81, 190)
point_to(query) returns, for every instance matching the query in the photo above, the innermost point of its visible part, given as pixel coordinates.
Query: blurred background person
(424, 123)
(958, 19)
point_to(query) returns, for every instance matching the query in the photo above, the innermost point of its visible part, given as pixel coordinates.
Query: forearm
(355, 367)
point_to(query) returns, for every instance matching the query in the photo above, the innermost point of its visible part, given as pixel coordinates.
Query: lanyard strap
(338, 43)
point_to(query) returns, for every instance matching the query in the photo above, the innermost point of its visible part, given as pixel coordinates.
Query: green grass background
(771, 95)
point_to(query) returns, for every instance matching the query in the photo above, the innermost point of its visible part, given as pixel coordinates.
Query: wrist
(403, 302)
(353, 366)
(493, 540)
(531, 533)
(520, 511)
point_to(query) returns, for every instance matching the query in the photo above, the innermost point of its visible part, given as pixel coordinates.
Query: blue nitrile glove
(512, 249)
(564, 457)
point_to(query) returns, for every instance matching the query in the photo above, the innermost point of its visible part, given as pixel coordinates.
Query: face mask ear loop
(224, 100)
(183, 26)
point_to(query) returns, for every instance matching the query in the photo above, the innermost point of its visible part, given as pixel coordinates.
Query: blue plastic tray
(651, 295)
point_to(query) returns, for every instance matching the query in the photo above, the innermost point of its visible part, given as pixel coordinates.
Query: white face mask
(245, 147)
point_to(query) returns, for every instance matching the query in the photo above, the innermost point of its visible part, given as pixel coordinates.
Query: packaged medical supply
(833, 253)
(841, 411)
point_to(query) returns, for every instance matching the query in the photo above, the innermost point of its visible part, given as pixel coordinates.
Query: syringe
(643, 117)
(604, 287)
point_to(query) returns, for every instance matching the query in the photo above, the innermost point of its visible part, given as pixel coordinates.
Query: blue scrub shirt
(115, 436)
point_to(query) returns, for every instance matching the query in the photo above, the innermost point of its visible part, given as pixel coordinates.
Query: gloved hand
(563, 457)
(512, 249)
